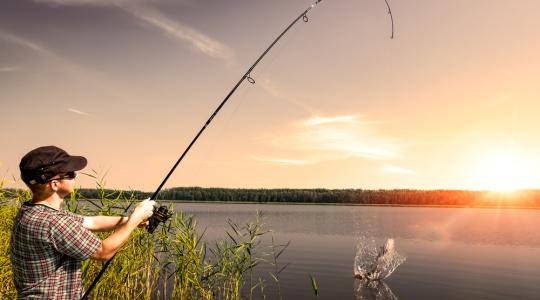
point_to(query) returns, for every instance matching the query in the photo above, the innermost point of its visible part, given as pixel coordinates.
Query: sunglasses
(68, 175)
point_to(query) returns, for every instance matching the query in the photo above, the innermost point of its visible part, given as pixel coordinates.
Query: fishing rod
(161, 214)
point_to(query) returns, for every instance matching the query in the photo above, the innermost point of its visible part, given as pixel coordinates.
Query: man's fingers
(143, 224)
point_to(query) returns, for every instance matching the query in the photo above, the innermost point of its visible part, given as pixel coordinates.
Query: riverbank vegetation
(173, 263)
(459, 198)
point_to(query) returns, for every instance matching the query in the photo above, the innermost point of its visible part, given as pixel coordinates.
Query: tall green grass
(9, 201)
(173, 263)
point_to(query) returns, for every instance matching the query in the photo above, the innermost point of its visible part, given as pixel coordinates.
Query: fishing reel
(160, 215)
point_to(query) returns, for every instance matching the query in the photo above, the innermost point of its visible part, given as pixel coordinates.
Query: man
(48, 244)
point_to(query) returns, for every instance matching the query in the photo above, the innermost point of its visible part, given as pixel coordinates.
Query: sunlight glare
(502, 171)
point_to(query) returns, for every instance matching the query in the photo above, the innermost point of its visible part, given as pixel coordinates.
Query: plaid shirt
(47, 250)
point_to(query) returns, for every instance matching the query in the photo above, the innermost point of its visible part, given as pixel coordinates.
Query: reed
(9, 201)
(173, 263)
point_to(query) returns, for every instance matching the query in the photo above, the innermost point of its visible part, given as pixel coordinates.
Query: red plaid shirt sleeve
(71, 238)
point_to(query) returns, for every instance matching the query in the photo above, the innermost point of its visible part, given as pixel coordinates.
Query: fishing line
(161, 213)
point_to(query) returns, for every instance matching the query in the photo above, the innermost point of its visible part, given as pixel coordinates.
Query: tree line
(462, 198)
(522, 198)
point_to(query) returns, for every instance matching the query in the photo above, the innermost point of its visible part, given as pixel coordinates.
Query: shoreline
(338, 204)
(353, 204)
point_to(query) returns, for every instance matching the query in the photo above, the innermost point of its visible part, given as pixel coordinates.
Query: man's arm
(115, 241)
(103, 223)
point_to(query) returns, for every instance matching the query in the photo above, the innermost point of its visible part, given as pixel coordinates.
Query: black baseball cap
(43, 163)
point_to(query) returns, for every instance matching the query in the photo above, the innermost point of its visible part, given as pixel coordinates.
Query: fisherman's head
(47, 168)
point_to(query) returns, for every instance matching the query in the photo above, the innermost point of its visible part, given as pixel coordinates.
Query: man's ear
(54, 184)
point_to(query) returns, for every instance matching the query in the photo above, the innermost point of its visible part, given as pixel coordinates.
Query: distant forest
(461, 198)
(522, 198)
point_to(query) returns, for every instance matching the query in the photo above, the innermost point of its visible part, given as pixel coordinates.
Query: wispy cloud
(199, 41)
(323, 138)
(78, 2)
(47, 56)
(22, 42)
(9, 69)
(351, 119)
(396, 170)
(78, 112)
(282, 161)
(141, 11)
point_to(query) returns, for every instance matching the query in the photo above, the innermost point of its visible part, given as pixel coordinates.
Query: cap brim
(75, 163)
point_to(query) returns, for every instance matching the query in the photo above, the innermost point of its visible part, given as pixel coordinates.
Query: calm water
(452, 253)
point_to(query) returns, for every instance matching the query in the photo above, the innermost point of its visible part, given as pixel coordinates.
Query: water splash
(376, 263)
(372, 290)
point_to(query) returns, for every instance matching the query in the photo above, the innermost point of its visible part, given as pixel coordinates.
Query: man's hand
(143, 211)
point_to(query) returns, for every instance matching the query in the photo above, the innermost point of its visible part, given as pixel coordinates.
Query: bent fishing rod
(161, 213)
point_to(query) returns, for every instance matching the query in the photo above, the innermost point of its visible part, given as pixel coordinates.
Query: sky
(451, 102)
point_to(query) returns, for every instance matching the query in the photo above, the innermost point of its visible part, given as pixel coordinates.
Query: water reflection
(372, 290)
(451, 253)
(447, 225)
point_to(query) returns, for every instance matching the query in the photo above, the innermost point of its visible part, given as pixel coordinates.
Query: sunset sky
(452, 102)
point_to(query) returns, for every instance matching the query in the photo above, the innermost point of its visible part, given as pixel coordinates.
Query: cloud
(282, 161)
(22, 42)
(78, 112)
(47, 56)
(77, 2)
(324, 138)
(329, 120)
(199, 41)
(98, 2)
(351, 119)
(9, 69)
(396, 170)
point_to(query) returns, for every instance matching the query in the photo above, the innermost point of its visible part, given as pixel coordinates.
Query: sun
(502, 170)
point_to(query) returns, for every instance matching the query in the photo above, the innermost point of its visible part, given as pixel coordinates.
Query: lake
(452, 253)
